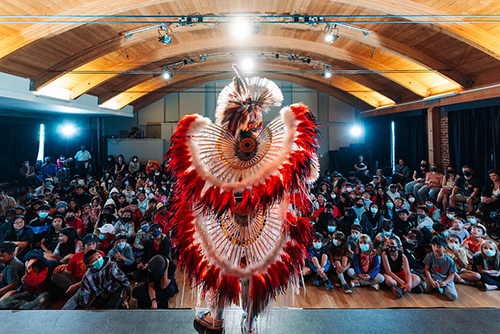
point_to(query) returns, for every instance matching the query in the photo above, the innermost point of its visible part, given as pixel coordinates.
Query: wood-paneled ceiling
(409, 61)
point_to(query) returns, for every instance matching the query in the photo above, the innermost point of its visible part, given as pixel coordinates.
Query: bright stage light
(240, 27)
(167, 75)
(356, 131)
(247, 64)
(67, 130)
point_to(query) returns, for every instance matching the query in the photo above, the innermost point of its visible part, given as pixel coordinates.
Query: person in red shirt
(74, 221)
(152, 167)
(136, 213)
(161, 217)
(69, 277)
(473, 243)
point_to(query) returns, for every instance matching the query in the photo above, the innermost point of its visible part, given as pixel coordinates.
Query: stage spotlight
(240, 27)
(327, 75)
(331, 37)
(165, 39)
(167, 75)
(356, 131)
(247, 64)
(67, 130)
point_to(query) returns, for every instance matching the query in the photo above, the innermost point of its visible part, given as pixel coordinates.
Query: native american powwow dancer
(239, 190)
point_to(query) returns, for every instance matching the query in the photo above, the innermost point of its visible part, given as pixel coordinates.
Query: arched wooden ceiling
(410, 61)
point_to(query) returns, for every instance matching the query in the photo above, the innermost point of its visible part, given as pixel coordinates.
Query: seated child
(440, 230)
(12, 269)
(487, 263)
(440, 270)
(458, 228)
(434, 212)
(35, 284)
(473, 243)
(459, 256)
(447, 220)
(352, 240)
(381, 239)
(339, 256)
(141, 238)
(365, 268)
(104, 285)
(397, 272)
(318, 262)
(414, 250)
(122, 254)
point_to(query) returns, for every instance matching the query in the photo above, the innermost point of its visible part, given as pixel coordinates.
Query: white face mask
(452, 246)
(411, 199)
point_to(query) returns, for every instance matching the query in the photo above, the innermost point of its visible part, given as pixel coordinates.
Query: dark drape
(474, 136)
(378, 139)
(411, 140)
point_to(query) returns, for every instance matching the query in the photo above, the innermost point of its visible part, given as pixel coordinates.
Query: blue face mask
(102, 236)
(489, 252)
(446, 233)
(364, 247)
(121, 245)
(354, 236)
(317, 245)
(429, 205)
(98, 264)
(331, 228)
(43, 215)
(156, 234)
(390, 205)
(374, 210)
(29, 195)
(145, 228)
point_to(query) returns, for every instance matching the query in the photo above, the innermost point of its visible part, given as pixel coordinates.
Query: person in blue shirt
(49, 170)
(318, 262)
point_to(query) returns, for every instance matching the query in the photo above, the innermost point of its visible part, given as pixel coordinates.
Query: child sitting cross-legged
(365, 265)
(487, 263)
(397, 272)
(318, 262)
(339, 256)
(459, 256)
(440, 270)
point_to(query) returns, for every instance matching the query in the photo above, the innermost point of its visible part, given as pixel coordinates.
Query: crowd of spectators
(88, 240)
(414, 232)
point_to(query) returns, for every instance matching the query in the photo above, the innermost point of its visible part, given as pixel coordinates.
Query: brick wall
(445, 142)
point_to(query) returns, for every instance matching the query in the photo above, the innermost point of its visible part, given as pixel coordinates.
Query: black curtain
(474, 136)
(378, 139)
(411, 140)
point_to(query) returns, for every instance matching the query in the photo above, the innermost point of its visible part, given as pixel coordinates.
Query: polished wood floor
(313, 297)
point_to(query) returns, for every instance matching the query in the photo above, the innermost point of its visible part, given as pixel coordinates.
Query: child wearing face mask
(447, 219)
(412, 203)
(393, 192)
(397, 272)
(487, 263)
(339, 256)
(122, 254)
(352, 240)
(472, 219)
(434, 212)
(389, 212)
(459, 256)
(365, 268)
(414, 250)
(473, 243)
(382, 238)
(371, 220)
(318, 262)
(141, 238)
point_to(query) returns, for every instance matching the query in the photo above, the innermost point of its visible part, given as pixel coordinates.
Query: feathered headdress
(241, 103)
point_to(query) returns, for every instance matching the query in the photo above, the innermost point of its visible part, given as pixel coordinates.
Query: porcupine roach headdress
(259, 239)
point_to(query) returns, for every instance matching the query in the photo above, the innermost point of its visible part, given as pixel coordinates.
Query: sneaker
(347, 289)
(337, 283)
(398, 293)
(328, 284)
(489, 287)
(355, 283)
(376, 286)
(204, 318)
(317, 280)
(418, 289)
(440, 289)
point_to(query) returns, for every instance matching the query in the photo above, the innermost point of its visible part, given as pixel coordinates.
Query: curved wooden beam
(374, 40)
(468, 33)
(408, 81)
(186, 83)
(141, 87)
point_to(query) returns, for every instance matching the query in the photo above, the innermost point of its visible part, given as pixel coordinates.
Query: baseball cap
(107, 228)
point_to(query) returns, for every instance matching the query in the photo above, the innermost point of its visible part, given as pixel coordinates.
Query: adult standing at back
(82, 158)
